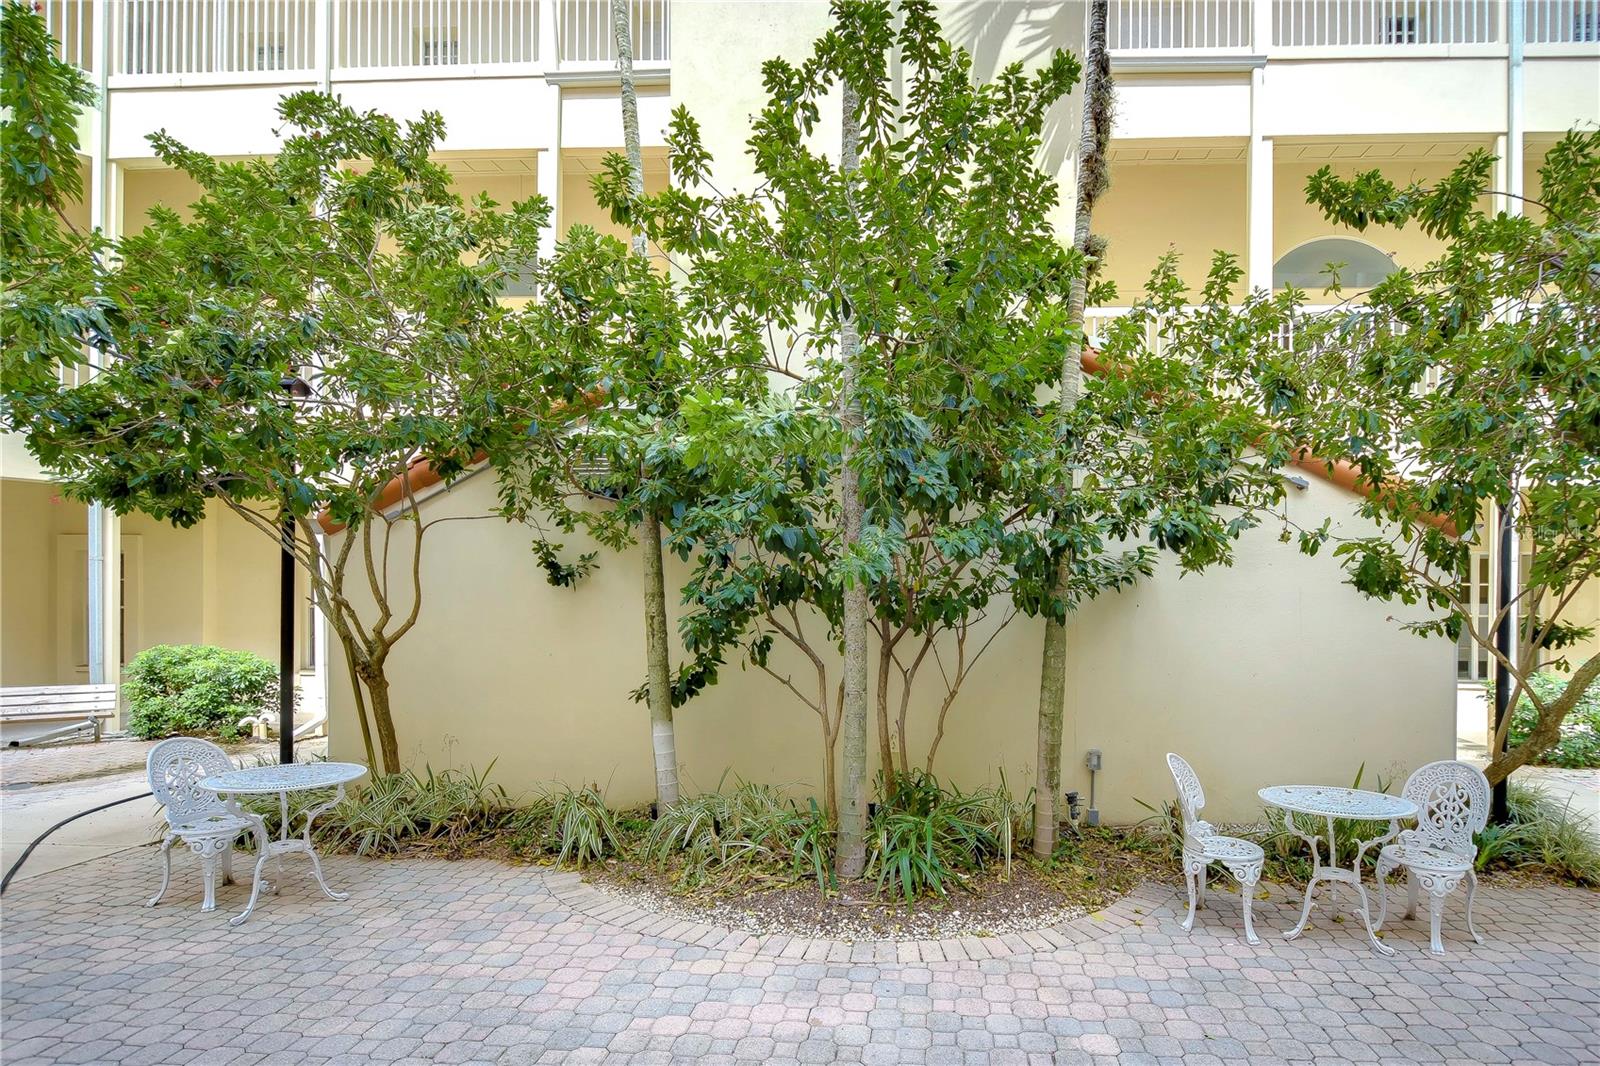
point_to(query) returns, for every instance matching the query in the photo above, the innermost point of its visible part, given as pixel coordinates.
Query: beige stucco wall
(214, 583)
(1194, 209)
(1273, 671)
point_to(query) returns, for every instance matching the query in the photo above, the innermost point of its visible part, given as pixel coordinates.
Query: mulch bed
(1101, 869)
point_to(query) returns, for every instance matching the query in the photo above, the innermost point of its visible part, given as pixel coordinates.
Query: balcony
(1354, 28)
(198, 42)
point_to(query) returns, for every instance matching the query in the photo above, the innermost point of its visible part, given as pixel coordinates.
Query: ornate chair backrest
(1191, 797)
(1452, 801)
(176, 767)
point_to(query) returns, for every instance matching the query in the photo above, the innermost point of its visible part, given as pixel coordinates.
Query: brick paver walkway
(433, 961)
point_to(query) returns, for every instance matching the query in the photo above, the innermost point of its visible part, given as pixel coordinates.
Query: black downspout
(1499, 807)
(286, 655)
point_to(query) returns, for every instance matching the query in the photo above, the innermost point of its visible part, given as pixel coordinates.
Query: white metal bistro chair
(1203, 845)
(195, 816)
(1452, 801)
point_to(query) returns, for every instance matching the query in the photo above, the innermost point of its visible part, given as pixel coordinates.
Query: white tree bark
(658, 665)
(1053, 667)
(851, 858)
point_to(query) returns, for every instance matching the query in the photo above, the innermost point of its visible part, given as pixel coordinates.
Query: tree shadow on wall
(999, 32)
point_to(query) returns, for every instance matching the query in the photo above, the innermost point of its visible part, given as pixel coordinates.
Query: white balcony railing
(1201, 27)
(586, 35)
(1563, 21)
(71, 23)
(181, 37)
(1385, 23)
(267, 40)
(1179, 25)
(375, 34)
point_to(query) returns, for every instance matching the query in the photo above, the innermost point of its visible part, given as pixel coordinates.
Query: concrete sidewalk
(27, 812)
(41, 786)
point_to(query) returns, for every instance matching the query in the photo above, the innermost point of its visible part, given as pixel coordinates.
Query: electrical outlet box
(1092, 759)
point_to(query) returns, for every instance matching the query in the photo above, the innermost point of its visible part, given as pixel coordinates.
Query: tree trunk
(360, 700)
(658, 665)
(377, 685)
(1053, 667)
(1546, 731)
(885, 743)
(663, 741)
(851, 859)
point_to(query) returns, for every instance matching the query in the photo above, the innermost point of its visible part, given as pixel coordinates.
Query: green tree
(1463, 387)
(47, 263)
(916, 284)
(375, 286)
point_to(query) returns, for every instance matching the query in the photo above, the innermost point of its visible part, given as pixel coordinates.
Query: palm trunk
(851, 859)
(1053, 668)
(658, 666)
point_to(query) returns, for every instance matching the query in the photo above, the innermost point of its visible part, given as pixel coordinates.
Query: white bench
(31, 715)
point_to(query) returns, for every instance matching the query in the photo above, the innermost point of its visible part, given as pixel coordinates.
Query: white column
(1258, 207)
(549, 174)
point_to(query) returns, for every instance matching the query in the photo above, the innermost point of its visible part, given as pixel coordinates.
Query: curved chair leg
(1411, 894)
(166, 868)
(1188, 881)
(227, 865)
(1472, 889)
(1439, 887)
(1248, 876)
(1200, 880)
(208, 870)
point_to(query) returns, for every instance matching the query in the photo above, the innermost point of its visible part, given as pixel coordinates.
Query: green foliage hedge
(174, 689)
(1579, 747)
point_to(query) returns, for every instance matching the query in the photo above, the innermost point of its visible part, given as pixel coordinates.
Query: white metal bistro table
(1329, 803)
(284, 779)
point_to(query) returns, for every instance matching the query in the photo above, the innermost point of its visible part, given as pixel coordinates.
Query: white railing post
(1261, 26)
(548, 47)
(322, 43)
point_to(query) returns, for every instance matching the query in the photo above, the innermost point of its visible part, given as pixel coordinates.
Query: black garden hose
(4, 884)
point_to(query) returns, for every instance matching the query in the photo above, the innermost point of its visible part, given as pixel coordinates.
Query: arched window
(1361, 266)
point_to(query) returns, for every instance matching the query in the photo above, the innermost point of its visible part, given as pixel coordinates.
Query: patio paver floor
(434, 961)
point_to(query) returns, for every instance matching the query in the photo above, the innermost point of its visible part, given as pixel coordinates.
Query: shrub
(751, 832)
(1579, 746)
(195, 688)
(1544, 837)
(924, 838)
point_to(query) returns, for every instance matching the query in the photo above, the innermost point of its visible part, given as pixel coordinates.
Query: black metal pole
(286, 655)
(1499, 807)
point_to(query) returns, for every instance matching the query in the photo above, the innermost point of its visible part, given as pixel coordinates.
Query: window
(438, 53)
(1586, 26)
(1358, 265)
(1400, 29)
(271, 56)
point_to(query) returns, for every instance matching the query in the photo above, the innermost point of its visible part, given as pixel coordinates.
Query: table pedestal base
(286, 845)
(1335, 876)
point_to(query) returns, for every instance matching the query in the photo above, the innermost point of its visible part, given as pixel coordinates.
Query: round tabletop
(288, 777)
(1338, 802)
